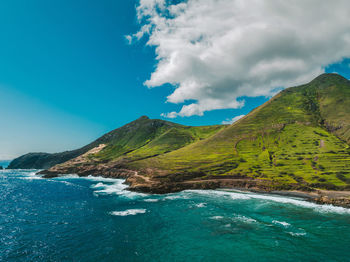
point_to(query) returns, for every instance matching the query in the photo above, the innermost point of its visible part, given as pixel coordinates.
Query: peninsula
(297, 141)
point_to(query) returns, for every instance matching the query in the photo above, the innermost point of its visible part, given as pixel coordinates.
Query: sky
(72, 70)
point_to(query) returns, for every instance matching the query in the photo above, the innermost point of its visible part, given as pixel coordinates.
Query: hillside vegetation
(299, 139)
(140, 139)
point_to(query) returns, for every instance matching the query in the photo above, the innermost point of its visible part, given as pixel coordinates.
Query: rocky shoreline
(153, 184)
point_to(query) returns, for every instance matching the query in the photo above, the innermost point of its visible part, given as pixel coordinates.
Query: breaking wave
(238, 195)
(128, 212)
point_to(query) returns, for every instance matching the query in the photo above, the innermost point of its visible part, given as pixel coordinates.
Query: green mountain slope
(140, 139)
(298, 139)
(146, 137)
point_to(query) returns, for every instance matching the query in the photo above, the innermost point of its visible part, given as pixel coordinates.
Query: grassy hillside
(140, 139)
(298, 138)
(144, 138)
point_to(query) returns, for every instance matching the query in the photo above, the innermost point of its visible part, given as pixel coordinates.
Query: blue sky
(68, 75)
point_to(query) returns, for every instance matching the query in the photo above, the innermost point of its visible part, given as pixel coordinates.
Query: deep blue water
(95, 219)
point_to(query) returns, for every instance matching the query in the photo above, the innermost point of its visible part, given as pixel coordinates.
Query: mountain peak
(142, 118)
(329, 77)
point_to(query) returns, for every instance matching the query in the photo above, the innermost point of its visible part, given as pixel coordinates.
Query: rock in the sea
(1, 168)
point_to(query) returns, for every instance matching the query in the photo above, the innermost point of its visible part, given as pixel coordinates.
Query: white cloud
(231, 121)
(215, 51)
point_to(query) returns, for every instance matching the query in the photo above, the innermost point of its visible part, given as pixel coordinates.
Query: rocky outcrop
(341, 201)
(148, 182)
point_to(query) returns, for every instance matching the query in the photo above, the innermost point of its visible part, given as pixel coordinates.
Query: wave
(245, 219)
(116, 188)
(282, 223)
(67, 176)
(128, 212)
(29, 175)
(239, 195)
(297, 233)
(217, 217)
(151, 200)
(174, 196)
(98, 185)
(201, 205)
(105, 186)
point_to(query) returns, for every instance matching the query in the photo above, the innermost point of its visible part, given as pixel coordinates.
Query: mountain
(298, 140)
(140, 139)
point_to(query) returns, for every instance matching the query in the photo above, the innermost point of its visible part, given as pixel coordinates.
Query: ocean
(96, 219)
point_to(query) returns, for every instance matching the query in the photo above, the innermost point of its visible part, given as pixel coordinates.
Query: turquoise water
(95, 219)
(4, 163)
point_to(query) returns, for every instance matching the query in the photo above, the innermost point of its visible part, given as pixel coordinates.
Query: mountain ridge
(298, 140)
(140, 130)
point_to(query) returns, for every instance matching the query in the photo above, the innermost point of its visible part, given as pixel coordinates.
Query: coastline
(322, 197)
(164, 185)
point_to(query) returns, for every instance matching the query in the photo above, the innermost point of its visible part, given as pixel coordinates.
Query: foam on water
(151, 200)
(174, 196)
(98, 185)
(282, 223)
(27, 174)
(116, 188)
(128, 212)
(67, 176)
(105, 186)
(217, 217)
(112, 186)
(238, 195)
(298, 234)
(39, 215)
(31, 176)
(245, 219)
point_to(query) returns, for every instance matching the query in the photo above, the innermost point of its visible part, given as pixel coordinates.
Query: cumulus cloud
(231, 121)
(215, 51)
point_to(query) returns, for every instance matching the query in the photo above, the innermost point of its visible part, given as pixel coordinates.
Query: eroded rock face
(336, 201)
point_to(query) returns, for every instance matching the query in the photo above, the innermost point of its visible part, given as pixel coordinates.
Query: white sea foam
(105, 186)
(297, 234)
(66, 176)
(98, 185)
(116, 188)
(217, 217)
(201, 205)
(67, 183)
(232, 195)
(128, 212)
(151, 200)
(31, 176)
(245, 219)
(176, 196)
(103, 179)
(272, 198)
(282, 223)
